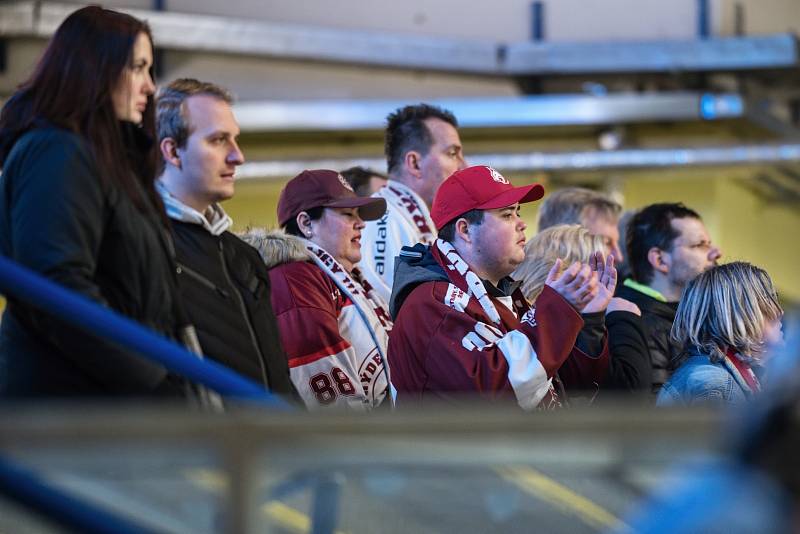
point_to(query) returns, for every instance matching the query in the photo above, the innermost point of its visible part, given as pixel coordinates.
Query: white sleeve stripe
(526, 375)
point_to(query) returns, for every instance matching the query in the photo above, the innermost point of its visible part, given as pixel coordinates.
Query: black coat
(225, 287)
(658, 318)
(630, 367)
(58, 220)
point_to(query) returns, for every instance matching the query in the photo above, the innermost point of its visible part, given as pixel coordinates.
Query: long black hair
(72, 87)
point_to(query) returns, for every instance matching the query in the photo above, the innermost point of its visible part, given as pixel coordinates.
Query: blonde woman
(629, 364)
(727, 320)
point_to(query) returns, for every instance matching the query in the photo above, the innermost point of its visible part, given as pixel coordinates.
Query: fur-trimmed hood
(276, 246)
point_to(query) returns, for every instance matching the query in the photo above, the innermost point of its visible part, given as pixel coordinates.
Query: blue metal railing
(22, 485)
(83, 313)
(25, 488)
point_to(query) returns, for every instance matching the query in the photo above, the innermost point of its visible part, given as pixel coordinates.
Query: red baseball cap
(479, 187)
(327, 189)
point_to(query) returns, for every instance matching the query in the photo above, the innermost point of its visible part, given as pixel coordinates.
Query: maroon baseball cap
(479, 187)
(327, 189)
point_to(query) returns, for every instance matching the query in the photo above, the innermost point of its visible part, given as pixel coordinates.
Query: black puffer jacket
(658, 318)
(57, 219)
(225, 287)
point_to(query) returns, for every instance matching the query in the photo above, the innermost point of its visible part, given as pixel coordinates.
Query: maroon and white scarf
(465, 279)
(353, 285)
(370, 306)
(412, 208)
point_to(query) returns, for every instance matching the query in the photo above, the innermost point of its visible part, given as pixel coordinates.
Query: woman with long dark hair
(78, 205)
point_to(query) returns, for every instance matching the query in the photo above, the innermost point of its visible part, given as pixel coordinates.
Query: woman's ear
(304, 224)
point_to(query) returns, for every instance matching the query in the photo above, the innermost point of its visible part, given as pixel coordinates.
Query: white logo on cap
(496, 176)
(346, 185)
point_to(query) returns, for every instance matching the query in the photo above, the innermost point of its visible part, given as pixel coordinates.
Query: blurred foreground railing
(464, 470)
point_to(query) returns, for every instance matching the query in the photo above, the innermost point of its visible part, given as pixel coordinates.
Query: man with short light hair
(223, 280)
(668, 245)
(593, 210)
(422, 149)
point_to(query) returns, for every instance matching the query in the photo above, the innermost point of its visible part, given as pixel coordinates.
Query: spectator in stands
(222, 279)
(461, 324)
(364, 182)
(623, 267)
(629, 365)
(727, 319)
(668, 245)
(591, 209)
(333, 325)
(422, 149)
(79, 206)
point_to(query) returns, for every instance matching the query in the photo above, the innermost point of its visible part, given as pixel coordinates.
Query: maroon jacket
(444, 345)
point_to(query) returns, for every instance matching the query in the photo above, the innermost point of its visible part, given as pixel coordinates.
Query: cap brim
(522, 194)
(369, 209)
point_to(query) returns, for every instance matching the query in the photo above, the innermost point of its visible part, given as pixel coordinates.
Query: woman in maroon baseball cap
(334, 327)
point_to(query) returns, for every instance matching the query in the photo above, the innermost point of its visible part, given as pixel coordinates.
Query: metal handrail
(27, 489)
(77, 310)
(23, 486)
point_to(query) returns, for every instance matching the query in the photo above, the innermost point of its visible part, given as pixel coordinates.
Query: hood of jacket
(276, 247)
(412, 267)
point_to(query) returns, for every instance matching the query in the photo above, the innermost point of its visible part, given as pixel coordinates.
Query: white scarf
(215, 220)
(412, 208)
(371, 307)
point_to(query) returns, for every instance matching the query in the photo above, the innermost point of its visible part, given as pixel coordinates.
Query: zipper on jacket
(243, 309)
(180, 268)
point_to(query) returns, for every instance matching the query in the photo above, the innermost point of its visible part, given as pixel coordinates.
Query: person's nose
(149, 87)
(714, 254)
(616, 251)
(235, 156)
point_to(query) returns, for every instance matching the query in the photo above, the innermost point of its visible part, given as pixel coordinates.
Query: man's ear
(658, 260)
(412, 161)
(462, 230)
(169, 151)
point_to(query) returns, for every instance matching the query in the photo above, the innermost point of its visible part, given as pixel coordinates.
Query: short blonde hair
(725, 307)
(570, 242)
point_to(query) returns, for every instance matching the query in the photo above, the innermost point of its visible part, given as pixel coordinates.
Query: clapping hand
(606, 275)
(578, 284)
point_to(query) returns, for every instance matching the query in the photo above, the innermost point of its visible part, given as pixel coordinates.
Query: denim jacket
(700, 381)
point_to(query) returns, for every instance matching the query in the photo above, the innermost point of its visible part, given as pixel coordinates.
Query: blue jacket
(699, 381)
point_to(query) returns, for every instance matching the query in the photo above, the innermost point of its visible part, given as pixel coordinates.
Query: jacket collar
(647, 290)
(215, 220)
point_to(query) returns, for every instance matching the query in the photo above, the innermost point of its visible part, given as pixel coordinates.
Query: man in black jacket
(667, 245)
(224, 283)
